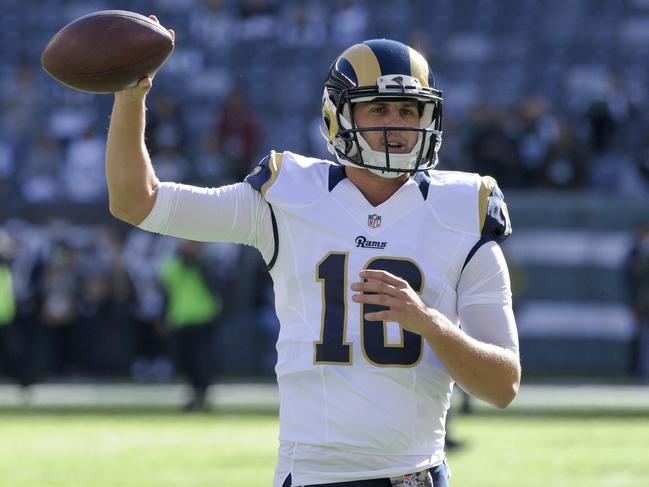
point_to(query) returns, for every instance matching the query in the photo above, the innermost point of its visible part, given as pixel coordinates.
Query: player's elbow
(510, 388)
(124, 214)
(506, 396)
(118, 213)
(132, 209)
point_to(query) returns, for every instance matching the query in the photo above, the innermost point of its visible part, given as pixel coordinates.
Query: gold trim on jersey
(418, 67)
(324, 307)
(487, 185)
(365, 64)
(275, 166)
(385, 328)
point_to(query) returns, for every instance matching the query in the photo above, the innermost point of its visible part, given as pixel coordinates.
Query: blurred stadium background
(549, 97)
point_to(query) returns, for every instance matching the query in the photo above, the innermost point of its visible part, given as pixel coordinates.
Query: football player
(389, 281)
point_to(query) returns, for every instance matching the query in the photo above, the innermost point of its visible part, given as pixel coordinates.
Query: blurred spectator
(212, 167)
(28, 270)
(609, 115)
(7, 169)
(8, 347)
(175, 6)
(637, 273)
(60, 307)
(453, 158)
(39, 174)
(21, 103)
(610, 118)
(238, 132)
(550, 154)
(491, 149)
(539, 129)
(82, 173)
(258, 20)
(71, 120)
(165, 128)
(192, 310)
(212, 24)
(602, 125)
(263, 302)
(348, 23)
(150, 360)
(642, 162)
(304, 25)
(103, 326)
(105, 306)
(564, 165)
(171, 164)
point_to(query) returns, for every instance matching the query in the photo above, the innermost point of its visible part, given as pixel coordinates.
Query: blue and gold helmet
(387, 70)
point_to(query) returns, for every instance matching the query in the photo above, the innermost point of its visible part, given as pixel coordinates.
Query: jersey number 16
(333, 347)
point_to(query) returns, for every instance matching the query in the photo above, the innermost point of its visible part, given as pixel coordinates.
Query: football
(107, 51)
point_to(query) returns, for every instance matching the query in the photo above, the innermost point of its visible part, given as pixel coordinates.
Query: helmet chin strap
(405, 162)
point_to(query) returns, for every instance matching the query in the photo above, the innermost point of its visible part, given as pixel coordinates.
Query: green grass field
(146, 448)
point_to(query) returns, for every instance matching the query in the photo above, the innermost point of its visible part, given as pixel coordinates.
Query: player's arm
(234, 213)
(482, 356)
(132, 183)
(488, 338)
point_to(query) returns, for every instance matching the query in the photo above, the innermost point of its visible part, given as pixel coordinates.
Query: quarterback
(390, 284)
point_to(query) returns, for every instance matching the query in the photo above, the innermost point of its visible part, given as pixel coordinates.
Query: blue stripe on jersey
(393, 57)
(275, 238)
(336, 174)
(260, 174)
(423, 180)
(483, 240)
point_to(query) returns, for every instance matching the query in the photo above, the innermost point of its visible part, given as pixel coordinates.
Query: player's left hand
(404, 304)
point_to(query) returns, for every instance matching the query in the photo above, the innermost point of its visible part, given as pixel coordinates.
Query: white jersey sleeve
(235, 213)
(485, 298)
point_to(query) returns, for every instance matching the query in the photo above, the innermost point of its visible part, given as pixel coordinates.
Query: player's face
(388, 114)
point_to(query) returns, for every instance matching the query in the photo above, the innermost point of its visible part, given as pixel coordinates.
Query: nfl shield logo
(374, 221)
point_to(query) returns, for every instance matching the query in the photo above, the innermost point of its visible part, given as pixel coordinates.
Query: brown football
(107, 51)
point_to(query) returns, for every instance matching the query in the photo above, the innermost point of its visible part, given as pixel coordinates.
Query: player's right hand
(139, 91)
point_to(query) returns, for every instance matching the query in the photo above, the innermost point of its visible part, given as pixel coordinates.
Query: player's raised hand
(403, 304)
(146, 83)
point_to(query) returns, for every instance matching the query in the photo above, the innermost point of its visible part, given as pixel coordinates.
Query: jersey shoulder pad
(264, 175)
(287, 178)
(494, 220)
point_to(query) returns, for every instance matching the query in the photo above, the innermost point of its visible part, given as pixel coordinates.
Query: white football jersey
(347, 384)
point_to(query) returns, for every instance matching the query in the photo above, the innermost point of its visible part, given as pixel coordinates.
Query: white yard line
(263, 395)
